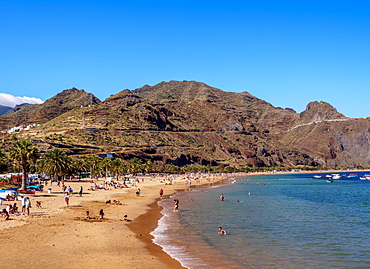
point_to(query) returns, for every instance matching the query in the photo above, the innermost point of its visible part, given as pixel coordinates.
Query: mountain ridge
(190, 122)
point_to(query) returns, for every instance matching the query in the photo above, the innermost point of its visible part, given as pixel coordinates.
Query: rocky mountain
(50, 109)
(5, 109)
(190, 122)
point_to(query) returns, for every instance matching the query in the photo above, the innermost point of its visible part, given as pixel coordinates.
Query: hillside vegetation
(192, 123)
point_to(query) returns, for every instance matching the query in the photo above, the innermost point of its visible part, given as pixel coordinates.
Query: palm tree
(23, 152)
(117, 167)
(149, 167)
(94, 162)
(135, 166)
(171, 169)
(56, 163)
(3, 160)
(79, 166)
(107, 163)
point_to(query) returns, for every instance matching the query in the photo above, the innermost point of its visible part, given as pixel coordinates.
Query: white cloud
(12, 101)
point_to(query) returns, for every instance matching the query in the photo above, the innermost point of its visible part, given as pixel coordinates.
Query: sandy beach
(60, 235)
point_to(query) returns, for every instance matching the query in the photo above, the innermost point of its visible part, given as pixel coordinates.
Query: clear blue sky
(288, 53)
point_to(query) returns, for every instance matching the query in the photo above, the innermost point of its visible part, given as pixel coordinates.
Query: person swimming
(222, 231)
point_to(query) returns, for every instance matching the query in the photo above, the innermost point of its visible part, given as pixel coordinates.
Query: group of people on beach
(69, 191)
(13, 209)
(101, 214)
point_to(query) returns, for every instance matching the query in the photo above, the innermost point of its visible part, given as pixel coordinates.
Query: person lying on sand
(125, 218)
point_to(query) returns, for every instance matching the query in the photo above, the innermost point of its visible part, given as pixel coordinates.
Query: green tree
(78, 166)
(117, 167)
(23, 152)
(3, 161)
(107, 163)
(56, 163)
(94, 162)
(171, 169)
(135, 166)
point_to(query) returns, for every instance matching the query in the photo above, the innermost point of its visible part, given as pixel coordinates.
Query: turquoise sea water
(280, 221)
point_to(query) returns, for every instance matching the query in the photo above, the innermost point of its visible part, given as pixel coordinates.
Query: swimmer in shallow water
(222, 231)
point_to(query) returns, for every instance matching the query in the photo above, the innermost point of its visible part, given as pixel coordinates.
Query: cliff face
(190, 122)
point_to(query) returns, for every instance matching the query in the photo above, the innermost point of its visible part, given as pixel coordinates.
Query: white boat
(317, 176)
(336, 176)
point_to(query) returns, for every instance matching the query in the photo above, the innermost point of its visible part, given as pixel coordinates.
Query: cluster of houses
(17, 129)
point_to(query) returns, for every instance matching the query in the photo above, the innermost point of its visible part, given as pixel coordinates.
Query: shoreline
(144, 225)
(57, 231)
(153, 215)
(304, 172)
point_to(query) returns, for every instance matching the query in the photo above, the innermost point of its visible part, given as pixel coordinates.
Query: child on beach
(38, 204)
(101, 214)
(15, 208)
(176, 206)
(87, 215)
(66, 199)
(5, 214)
(125, 218)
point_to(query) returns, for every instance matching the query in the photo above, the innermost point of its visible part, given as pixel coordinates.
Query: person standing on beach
(23, 204)
(70, 191)
(101, 214)
(222, 197)
(176, 202)
(66, 199)
(161, 193)
(80, 191)
(28, 205)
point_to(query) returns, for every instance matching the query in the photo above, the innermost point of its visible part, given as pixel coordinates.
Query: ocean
(274, 221)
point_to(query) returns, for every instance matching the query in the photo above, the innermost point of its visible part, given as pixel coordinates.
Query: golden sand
(59, 236)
